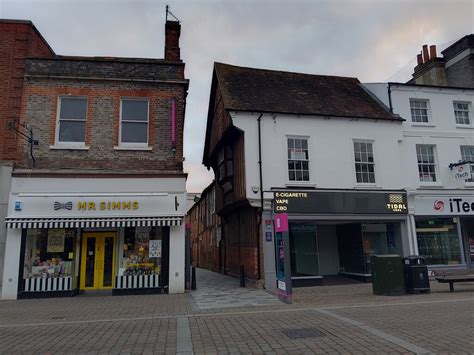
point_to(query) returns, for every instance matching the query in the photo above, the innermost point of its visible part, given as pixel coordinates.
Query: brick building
(18, 40)
(98, 203)
(207, 248)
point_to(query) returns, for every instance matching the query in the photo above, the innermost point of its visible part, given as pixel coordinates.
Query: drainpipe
(259, 224)
(390, 98)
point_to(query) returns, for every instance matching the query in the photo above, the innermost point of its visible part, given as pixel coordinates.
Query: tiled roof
(259, 90)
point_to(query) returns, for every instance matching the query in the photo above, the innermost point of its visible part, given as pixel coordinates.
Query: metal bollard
(193, 278)
(242, 276)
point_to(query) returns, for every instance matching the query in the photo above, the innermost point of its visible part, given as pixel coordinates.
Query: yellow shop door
(98, 261)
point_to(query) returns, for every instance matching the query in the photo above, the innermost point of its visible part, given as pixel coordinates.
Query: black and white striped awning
(92, 222)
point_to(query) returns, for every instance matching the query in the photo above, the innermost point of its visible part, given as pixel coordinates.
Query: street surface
(220, 317)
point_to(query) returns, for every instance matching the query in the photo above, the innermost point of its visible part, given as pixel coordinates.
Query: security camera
(255, 189)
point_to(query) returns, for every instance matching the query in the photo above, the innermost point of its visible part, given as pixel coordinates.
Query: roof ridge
(285, 71)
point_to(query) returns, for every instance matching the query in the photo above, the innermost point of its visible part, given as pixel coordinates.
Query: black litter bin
(387, 275)
(416, 274)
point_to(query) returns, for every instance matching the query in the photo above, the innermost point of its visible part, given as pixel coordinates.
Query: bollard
(193, 278)
(242, 276)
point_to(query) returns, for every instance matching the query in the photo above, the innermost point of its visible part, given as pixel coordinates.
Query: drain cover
(301, 333)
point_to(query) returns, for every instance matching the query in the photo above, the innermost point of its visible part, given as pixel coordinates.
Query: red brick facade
(18, 40)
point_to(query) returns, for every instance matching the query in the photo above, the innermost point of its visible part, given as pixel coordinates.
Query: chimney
(172, 32)
(430, 69)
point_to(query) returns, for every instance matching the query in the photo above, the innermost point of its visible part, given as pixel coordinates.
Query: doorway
(98, 260)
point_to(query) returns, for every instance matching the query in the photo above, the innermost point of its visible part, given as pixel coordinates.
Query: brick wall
(461, 73)
(39, 110)
(18, 39)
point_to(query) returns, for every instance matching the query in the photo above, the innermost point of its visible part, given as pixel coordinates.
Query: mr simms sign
(340, 202)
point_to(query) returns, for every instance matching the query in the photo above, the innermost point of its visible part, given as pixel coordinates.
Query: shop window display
(49, 253)
(142, 251)
(438, 240)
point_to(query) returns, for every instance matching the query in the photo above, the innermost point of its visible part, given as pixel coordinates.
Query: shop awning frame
(113, 222)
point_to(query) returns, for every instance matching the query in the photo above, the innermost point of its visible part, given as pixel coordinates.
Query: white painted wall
(441, 131)
(176, 276)
(331, 151)
(12, 260)
(5, 185)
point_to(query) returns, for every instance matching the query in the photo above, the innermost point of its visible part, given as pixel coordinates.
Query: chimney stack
(430, 70)
(426, 56)
(419, 59)
(172, 33)
(433, 52)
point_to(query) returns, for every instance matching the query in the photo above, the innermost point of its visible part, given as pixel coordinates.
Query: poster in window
(55, 241)
(155, 249)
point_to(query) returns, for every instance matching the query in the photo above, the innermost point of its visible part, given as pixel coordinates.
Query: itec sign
(442, 205)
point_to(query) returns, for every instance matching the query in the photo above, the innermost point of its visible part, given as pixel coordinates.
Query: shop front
(444, 229)
(335, 232)
(62, 244)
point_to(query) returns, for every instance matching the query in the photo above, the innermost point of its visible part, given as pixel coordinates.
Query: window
(134, 122)
(298, 159)
(438, 240)
(461, 112)
(426, 163)
(419, 110)
(49, 253)
(364, 162)
(467, 154)
(71, 120)
(142, 251)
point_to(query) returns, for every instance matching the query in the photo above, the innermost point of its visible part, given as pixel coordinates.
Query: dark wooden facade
(240, 222)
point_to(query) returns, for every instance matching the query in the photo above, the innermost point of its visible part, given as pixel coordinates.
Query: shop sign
(461, 172)
(444, 206)
(340, 202)
(95, 206)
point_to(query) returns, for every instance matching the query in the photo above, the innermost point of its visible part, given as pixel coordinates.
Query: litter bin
(416, 274)
(387, 275)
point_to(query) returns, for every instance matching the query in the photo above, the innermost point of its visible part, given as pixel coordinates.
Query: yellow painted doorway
(98, 260)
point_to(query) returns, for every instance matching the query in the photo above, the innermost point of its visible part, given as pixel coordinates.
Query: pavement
(346, 319)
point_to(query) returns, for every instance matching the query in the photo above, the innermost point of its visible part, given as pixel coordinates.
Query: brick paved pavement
(335, 319)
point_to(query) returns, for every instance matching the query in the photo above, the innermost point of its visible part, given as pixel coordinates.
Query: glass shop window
(142, 251)
(438, 240)
(49, 253)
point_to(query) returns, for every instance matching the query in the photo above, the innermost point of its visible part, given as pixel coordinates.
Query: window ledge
(464, 126)
(415, 124)
(367, 186)
(300, 184)
(69, 147)
(431, 186)
(121, 147)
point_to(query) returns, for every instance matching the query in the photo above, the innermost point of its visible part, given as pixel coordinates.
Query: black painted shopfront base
(47, 294)
(358, 277)
(139, 291)
(307, 282)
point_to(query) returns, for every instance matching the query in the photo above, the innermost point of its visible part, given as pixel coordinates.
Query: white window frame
(428, 112)
(367, 141)
(469, 183)
(135, 145)
(296, 182)
(469, 110)
(57, 142)
(436, 166)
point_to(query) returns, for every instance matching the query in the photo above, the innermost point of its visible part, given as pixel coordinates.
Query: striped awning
(92, 222)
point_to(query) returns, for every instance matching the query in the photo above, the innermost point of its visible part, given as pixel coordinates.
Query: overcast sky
(371, 40)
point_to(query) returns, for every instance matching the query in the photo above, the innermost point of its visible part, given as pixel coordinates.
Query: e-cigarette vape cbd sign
(343, 202)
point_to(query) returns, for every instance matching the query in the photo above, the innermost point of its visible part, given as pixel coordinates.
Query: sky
(374, 41)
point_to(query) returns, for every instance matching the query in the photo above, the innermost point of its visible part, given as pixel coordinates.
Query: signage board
(63, 206)
(444, 205)
(340, 202)
(282, 250)
(461, 172)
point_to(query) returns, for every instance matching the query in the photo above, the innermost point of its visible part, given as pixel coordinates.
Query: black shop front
(335, 232)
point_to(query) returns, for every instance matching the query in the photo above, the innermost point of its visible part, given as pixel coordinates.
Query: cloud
(371, 40)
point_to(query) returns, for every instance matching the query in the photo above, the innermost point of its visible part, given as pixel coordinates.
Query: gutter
(259, 224)
(389, 90)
